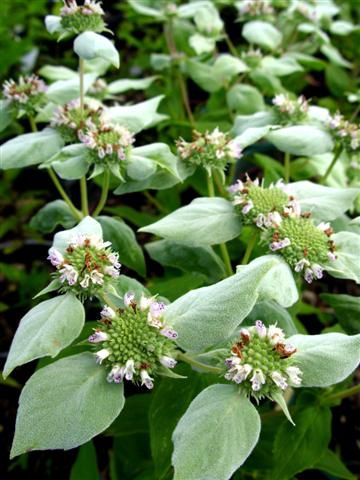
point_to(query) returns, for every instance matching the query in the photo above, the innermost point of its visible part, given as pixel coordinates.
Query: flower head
(290, 111)
(261, 362)
(81, 18)
(86, 265)
(255, 8)
(344, 132)
(132, 346)
(27, 95)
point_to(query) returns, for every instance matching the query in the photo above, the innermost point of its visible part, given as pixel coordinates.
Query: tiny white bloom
(98, 337)
(129, 298)
(257, 380)
(85, 281)
(129, 369)
(68, 274)
(275, 334)
(242, 372)
(294, 374)
(146, 379)
(97, 277)
(107, 312)
(101, 355)
(260, 328)
(168, 362)
(247, 207)
(279, 380)
(55, 257)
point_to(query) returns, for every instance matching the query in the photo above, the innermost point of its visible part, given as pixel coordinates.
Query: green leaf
(173, 287)
(326, 359)
(87, 226)
(122, 285)
(341, 27)
(63, 91)
(139, 116)
(301, 140)
(123, 85)
(205, 221)
(251, 135)
(262, 33)
(335, 56)
(30, 149)
(209, 315)
(46, 330)
(134, 417)
(271, 312)
(5, 115)
(90, 45)
(216, 435)
(202, 44)
(85, 465)
(57, 72)
(124, 242)
(245, 99)
(160, 155)
(347, 310)
(298, 448)
(280, 67)
(53, 285)
(330, 463)
(347, 263)
(325, 203)
(145, 10)
(71, 163)
(188, 258)
(51, 215)
(65, 404)
(259, 119)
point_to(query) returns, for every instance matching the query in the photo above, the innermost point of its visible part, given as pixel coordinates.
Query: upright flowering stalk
(26, 96)
(134, 344)
(71, 121)
(261, 362)
(86, 266)
(211, 150)
(80, 18)
(262, 206)
(288, 110)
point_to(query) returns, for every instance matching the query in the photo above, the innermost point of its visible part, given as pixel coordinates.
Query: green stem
(337, 154)
(226, 258)
(287, 167)
(231, 46)
(191, 361)
(81, 77)
(210, 184)
(349, 392)
(103, 298)
(63, 194)
(250, 246)
(32, 124)
(84, 197)
(219, 184)
(104, 194)
(155, 202)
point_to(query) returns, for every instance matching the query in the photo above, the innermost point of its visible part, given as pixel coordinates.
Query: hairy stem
(249, 248)
(84, 197)
(104, 194)
(78, 215)
(231, 46)
(194, 363)
(32, 124)
(337, 154)
(81, 77)
(287, 167)
(349, 392)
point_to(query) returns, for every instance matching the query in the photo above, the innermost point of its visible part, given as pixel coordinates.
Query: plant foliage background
(206, 65)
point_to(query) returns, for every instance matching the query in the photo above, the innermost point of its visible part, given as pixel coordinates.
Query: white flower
(68, 274)
(317, 270)
(169, 333)
(293, 208)
(273, 219)
(85, 281)
(301, 264)
(260, 328)
(146, 379)
(280, 244)
(97, 278)
(129, 299)
(242, 372)
(145, 302)
(308, 275)
(247, 207)
(129, 369)
(257, 380)
(112, 271)
(294, 374)
(275, 334)
(98, 337)
(55, 257)
(101, 355)
(107, 312)
(235, 149)
(168, 362)
(238, 186)
(331, 256)
(114, 259)
(279, 380)
(116, 374)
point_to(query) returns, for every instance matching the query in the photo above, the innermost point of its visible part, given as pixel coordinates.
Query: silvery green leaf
(262, 33)
(205, 221)
(30, 149)
(159, 154)
(280, 400)
(216, 434)
(160, 61)
(87, 226)
(227, 66)
(90, 45)
(71, 163)
(139, 116)
(335, 56)
(245, 99)
(301, 140)
(319, 114)
(139, 168)
(209, 315)
(53, 24)
(143, 9)
(202, 44)
(58, 72)
(63, 91)
(122, 285)
(341, 27)
(311, 28)
(326, 359)
(251, 135)
(317, 165)
(51, 215)
(53, 285)
(271, 312)
(46, 330)
(325, 203)
(5, 115)
(280, 67)
(123, 85)
(347, 264)
(258, 119)
(208, 20)
(65, 404)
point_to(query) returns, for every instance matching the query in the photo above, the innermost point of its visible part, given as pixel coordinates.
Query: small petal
(98, 336)
(257, 380)
(260, 328)
(168, 362)
(169, 333)
(107, 312)
(146, 379)
(129, 369)
(101, 355)
(55, 257)
(129, 299)
(279, 380)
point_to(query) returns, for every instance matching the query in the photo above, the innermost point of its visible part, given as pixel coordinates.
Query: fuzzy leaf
(347, 263)
(215, 435)
(46, 330)
(123, 85)
(65, 404)
(205, 221)
(51, 215)
(89, 45)
(87, 226)
(326, 359)
(301, 140)
(262, 33)
(63, 91)
(209, 315)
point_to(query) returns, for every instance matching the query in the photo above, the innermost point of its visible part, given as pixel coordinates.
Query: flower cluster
(135, 343)
(255, 8)
(80, 18)
(107, 142)
(291, 233)
(210, 150)
(26, 95)
(261, 361)
(345, 132)
(70, 119)
(294, 110)
(87, 264)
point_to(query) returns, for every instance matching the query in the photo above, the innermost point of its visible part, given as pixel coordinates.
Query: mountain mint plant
(225, 360)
